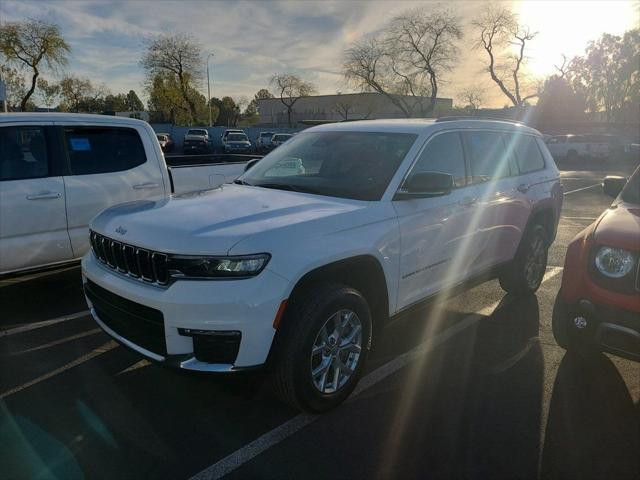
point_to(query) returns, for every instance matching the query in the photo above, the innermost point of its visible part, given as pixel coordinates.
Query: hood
(620, 227)
(213, 221)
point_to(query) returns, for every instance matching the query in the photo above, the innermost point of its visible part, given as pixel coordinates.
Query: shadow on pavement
(593, 430)
(470, 408)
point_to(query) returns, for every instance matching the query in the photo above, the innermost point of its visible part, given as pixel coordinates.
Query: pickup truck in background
(196, 140)
(57, 171)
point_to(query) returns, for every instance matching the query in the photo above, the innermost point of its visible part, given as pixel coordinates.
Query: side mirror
(613, 185)
(426, 184)
(251, 163)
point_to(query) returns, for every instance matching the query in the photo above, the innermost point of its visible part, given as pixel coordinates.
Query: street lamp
(209, 88)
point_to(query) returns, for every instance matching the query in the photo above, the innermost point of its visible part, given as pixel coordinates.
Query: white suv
(296, 268)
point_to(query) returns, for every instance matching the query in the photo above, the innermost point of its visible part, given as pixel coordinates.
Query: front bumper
(609, 329)
(244, 309)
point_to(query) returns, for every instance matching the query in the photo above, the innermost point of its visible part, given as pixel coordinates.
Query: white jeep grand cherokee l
(295, 268)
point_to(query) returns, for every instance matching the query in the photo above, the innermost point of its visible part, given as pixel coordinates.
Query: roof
(66, 117)
(420, 125)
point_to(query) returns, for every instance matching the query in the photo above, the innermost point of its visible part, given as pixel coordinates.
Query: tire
(524, 274)
(292, 379)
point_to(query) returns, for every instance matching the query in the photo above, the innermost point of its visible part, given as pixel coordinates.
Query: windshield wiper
(237, 181)
(286, 186)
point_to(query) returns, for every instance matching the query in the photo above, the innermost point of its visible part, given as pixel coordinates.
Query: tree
(343, 107)
(179, 56)
(253, 108)
(473, 96)
(15, 86)
(407, 59)
(499, 33)
(422, 47)
(133, 102)
(30, 45)
(79, 95)
(609, 75)
(290, 89)
(228, 111)
(115, 103)
(48, 92)
(167, 103)
(560, 103)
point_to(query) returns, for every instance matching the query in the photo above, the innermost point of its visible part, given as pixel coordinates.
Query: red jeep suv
(598, 306)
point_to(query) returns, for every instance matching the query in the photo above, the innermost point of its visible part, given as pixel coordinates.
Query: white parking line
(28, 278)
(44, 323)
(60, 341)
(580, 218)
(135, 366)
(110, 345)
(273, 437)
(583, 188)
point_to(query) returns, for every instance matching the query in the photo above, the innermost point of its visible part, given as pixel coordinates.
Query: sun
(566, 27)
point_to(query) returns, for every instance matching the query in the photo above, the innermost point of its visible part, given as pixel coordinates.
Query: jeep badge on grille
(121, 230)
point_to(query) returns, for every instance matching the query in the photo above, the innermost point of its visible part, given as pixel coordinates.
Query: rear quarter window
(94, 150)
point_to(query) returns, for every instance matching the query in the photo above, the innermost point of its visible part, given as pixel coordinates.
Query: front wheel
(322, 348)
(526, 271)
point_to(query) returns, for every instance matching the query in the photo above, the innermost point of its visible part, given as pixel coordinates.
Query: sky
(253, 40)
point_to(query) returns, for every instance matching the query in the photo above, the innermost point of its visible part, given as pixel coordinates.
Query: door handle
(523, 188)
(467, 201)
(44, 196)
(144, 186)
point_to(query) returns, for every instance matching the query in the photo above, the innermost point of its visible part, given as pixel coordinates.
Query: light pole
(209, 88)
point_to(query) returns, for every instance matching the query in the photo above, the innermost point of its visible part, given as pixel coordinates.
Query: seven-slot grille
(139, 263)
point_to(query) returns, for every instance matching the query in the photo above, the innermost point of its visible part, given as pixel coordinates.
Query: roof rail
(482, 117)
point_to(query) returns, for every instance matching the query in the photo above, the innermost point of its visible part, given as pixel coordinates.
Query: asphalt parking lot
(472, 388)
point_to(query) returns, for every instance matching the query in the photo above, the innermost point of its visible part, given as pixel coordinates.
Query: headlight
(216, 267)
(614, 262)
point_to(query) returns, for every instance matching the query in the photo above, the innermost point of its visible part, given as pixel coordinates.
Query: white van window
(23, 153)
(103, 149)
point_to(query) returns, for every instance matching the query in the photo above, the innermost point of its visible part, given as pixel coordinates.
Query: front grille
(139, 324)
(139, 263)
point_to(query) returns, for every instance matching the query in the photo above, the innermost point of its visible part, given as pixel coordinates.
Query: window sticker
(80, 144)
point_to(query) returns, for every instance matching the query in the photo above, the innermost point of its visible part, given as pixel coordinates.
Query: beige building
(346, 106)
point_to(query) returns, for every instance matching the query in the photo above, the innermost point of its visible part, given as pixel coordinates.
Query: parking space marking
(34, 276)
(580, 218)
(581, 189)
(245, 454)
(44, 323)
(60, 341)
(135, 366)
(110, 345)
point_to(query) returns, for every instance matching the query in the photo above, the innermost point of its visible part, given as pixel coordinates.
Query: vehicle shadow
(593, 429)
(468, 408)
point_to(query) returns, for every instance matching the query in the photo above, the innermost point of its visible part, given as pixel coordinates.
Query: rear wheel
(322, 349)
(526, 271)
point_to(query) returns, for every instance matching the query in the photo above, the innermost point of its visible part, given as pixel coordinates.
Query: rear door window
(103, 149)
(528, 154)
(488, 156)
(23, 153)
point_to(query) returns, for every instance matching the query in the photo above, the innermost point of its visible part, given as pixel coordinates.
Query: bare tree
(343, 107)
(422, 47)
(31, 44)
(366, 66)
(48, 92)
(290, 89)
(178, 55)
(504, 40)
(473, 96)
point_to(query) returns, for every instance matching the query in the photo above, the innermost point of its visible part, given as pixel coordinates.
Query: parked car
(296, 269)
(196, 140)
(57, 171)
(598, 306)
(166, 142)
(237, 143)
(227, 132)
(278, 139)
(263, 141)
(574, 147)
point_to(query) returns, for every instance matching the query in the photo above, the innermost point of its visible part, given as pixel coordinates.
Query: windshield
(356, 165)
(281, 138)
(197, 132)
(631, 192)
(237, 137)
